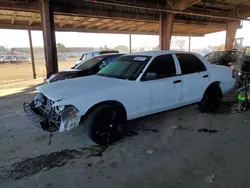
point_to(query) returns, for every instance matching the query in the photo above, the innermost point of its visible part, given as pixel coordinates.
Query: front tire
(211, 100)
(105, 124)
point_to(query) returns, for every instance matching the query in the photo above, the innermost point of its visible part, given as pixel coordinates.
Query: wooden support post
(166, 29)
(130, 43)
(231, 31)
(49, 38)
(189, 43)
(32, 55)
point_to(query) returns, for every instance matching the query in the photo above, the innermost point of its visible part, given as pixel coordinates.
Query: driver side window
(161, 67)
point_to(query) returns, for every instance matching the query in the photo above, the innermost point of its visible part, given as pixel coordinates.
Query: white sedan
(133, 86)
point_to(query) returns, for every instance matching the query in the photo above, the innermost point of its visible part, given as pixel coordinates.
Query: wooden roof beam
(65, 22)
(130, 26)
(32, 19)
(115, 26)
(242, 12)
(147, 27)
(93, 23)
(69, 29)
(109, 24)
(81, 21)
(193, 22)
(13, 18)
(183, 4)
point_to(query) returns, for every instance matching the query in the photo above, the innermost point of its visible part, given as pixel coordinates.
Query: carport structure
(163, 17)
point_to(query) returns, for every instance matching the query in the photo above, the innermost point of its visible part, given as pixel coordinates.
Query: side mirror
(149, 76)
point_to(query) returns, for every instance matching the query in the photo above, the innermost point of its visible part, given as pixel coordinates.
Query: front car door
(195, 78)
(159, 88)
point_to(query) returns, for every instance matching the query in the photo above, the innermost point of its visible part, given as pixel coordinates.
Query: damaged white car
(133, 86)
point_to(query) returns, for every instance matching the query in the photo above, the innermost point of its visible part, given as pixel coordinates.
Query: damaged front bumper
(52, 119)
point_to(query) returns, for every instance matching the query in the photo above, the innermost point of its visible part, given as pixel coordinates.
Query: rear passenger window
(161, 67)
(89, 55)
(96, 54)
(189, 63)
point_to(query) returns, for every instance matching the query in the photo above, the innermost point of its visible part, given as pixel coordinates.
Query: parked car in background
(2, 58)
(21, 58)
(226, 58)
(9, 59)
(229, 58)
(133, 86)
(62, 58)
(14, 59)
(243, 67)
(86, 68)
(88, 55)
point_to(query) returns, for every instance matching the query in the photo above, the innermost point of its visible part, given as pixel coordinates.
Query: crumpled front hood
(83, 85)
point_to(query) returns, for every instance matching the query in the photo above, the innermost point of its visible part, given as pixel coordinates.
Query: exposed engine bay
(49, 117)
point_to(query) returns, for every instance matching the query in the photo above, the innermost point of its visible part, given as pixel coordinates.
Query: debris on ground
(210, 131)
(180, 128)
(150, 152)
(210, 179)
(131, 154)
(131, 133)
(151, 130)
(174, 127)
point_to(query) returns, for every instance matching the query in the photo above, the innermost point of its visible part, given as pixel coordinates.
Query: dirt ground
(13, 73)
(177, 149)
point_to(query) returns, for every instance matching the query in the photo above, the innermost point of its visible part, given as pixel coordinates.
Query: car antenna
(50, 138)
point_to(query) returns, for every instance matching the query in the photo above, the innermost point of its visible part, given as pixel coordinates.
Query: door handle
(177, 81)
(205, 76)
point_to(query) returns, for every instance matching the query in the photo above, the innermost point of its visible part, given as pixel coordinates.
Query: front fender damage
(42, 112)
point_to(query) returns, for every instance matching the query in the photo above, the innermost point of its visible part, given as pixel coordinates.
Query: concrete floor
(179, 148)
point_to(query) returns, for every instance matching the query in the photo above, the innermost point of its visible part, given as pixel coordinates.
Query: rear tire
(211, 100)
(105, 124)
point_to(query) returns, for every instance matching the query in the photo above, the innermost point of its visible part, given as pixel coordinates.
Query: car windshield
(89, 63)
(126, 67)
(223, 58)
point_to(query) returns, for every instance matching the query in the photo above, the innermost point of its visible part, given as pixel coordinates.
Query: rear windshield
(90, 63)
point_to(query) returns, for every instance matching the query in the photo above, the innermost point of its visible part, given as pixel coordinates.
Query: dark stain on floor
(137, 131)
(34, 165)
(227, 107)
(210, 131)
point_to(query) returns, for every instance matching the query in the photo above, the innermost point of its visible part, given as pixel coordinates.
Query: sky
(19, 38)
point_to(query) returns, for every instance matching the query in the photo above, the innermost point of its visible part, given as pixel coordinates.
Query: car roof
(108, 55)
(105, 51)
(159, 52)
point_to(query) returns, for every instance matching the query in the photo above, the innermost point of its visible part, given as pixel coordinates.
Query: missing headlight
(69, 119)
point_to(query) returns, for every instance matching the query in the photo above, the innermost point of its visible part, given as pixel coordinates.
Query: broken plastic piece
(50, 138)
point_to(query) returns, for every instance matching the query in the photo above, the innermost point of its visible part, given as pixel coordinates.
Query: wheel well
(213, 85)
(112, 103)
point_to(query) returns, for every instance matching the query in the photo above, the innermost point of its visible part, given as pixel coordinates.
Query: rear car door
(160, 86)
(194, 76)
